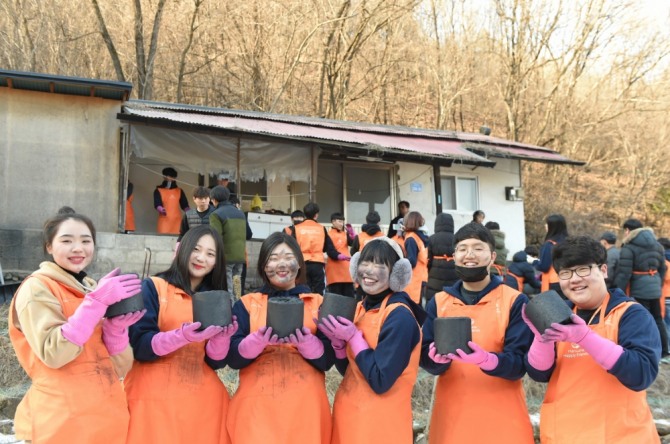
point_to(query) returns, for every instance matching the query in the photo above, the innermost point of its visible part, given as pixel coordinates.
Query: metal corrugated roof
(374, 144)
(415, 139)
(56, 84)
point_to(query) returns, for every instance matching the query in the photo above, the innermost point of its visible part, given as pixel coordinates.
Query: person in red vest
(482, 387)
(598, 366)
(338, 277)
(74, 356)
(314, 242)
(169, 200)
(174, 394)
(281, 398)
(378, 353)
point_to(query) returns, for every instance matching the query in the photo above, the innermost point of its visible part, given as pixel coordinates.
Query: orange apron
(359, 414)
(81, 402)
(281, 397)
(338, 271)
(311, 237)
(471, 406)
(519, 280)
(364, 238)
(130, 214)
(586, 404)
(550, 276)
(420, 271)
(169, 224)
(178, 397)
(401, 243)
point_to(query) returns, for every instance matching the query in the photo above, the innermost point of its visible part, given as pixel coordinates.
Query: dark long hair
(269, 244)
(379, 252)
(178, 274)
(557, 228)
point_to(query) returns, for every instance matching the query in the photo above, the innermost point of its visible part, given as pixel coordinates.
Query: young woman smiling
(75, 361)
(174, 394)
(282, 393)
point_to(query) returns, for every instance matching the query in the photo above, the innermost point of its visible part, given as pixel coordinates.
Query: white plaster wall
(57, 150)
(415, 185)
(492, 183)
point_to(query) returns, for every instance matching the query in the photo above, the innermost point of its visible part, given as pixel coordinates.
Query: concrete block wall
(21, 250)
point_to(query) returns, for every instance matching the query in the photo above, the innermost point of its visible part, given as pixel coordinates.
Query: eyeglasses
(477, 250)
(582, 271)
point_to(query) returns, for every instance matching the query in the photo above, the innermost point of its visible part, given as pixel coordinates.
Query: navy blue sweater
(383, 365)
(237, 361)
(518, 336)
(638, 365)
(146, 328)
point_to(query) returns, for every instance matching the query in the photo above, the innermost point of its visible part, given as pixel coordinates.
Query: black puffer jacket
(441, 272)
(641, 253)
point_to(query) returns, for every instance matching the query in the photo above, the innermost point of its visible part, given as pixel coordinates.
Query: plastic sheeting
(210, 154)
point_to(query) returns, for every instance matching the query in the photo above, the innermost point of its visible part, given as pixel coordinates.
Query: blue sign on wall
(416, 187)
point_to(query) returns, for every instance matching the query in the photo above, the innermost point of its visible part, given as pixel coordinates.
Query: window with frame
(459, 193)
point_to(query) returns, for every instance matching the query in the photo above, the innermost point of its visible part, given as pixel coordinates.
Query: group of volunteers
(150, 375)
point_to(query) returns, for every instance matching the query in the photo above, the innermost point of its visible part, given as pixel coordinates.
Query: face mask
(472, 274)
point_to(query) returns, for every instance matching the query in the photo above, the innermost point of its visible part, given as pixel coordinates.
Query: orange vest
(401, 243)
(169, 224)
(130, 214)
(83, 401)
(178, 397)
(359, 414)
(519, 280)
(489, 408)
(311, 237)
(665, 290)
(420, 271)
(549, 277)
(338, 271)
(584, 403)
(281, 397)
(364, 238)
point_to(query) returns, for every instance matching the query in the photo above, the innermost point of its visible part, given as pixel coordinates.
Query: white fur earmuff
(401, 274)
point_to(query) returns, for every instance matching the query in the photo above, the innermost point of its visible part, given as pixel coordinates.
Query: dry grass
(12, 376)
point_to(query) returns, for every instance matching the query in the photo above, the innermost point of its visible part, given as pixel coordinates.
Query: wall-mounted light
(514, 193)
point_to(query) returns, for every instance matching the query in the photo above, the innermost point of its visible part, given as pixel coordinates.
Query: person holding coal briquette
(599, 366)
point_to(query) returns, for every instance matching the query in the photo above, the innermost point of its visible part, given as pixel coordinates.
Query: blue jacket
(383, 365)
(518, 336)
(638, 335)
(641, 253)
(520, 267)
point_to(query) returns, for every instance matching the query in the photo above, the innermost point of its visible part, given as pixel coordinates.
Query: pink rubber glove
(254, 344)
(350, 231)
(605, 352)
(340, 328)
(114, 287)
(161, 210)
(480, 357)
(339, 346)
(166, 342)
(357, 343)
(343, 257)
(218, 346)
(435, 356)
(308, 345)
(541, 353)
(115, 331)
(111, 289)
